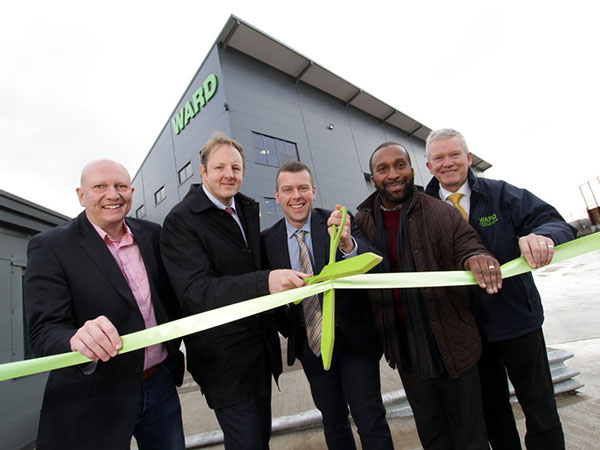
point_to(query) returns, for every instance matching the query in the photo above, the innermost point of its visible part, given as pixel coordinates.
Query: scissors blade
(328, 328)
(351, 266)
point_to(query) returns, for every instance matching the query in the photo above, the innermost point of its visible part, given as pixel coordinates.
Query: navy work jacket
(501, 213)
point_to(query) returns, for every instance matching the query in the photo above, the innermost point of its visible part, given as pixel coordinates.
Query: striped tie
(310, 305)
(455, 199)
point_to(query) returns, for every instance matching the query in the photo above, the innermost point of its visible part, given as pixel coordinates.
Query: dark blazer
(352, 311)
(72, 277)
(210, 265)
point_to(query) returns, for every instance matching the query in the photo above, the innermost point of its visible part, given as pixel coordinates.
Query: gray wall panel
(21, 397)
(270, 90)
(368, 134)
(263, 100)
(338, 172)
(159, 170)
(244, 110)
(5, 310)
(139, 195)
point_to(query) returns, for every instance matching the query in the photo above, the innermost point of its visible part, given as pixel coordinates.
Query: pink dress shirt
(129, 259)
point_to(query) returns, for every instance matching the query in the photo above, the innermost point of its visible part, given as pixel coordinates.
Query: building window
(185, 173)
(160, 195)
(273, 151)
(273, 212)
(140, 213)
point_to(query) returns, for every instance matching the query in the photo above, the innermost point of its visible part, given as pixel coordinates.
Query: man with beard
(510, 222)
(429, 335)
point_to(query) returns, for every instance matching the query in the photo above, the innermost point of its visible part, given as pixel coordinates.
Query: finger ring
(542, 242)
(491, 266)
(551, 246)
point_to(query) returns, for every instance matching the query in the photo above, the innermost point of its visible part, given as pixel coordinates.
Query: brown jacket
(440, 240)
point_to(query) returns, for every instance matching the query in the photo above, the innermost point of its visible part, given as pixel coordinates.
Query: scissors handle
(336, 234)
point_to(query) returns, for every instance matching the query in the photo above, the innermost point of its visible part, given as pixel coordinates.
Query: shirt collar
(395, 208)
(217, 203)
(465, 189)
(125, 240)
(292, 229)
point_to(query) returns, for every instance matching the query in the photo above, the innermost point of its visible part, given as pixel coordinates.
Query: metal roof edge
(420, 131)
(23, 213)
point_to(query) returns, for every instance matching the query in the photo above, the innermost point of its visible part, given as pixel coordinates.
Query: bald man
(88, 282)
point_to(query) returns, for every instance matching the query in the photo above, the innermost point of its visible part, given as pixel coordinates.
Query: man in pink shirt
(89, 281)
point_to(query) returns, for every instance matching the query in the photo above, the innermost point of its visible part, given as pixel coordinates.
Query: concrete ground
(571, 296)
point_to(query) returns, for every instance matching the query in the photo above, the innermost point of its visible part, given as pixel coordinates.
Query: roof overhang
(251, 41)
(20, 214)
(480, 164)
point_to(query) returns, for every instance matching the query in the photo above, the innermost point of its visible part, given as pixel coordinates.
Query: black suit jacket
(210, 265)
(352, 311)
(72, 277)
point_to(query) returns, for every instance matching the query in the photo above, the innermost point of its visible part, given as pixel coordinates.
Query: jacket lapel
(144, 243)
(476, 205)
(96, 249)
(320, 240)
(249, 210)
(199, 203)
(279, 243)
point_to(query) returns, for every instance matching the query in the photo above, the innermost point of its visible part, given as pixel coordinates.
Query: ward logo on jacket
(488, 221)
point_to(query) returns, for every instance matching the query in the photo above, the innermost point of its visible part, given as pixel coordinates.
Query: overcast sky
(520, 79)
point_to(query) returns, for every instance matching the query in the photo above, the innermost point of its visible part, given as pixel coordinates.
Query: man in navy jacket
(353, 378)
(511, 222)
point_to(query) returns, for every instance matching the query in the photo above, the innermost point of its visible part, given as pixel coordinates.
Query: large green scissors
(351, 266)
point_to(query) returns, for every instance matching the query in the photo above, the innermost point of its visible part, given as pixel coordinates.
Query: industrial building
(21, 397)
(281, 106)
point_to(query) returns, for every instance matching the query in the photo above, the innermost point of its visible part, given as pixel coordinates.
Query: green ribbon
(328, 310)
(220, 316)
